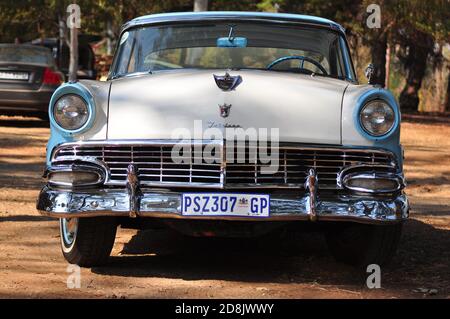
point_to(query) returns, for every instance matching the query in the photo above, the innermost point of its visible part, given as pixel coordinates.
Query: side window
(347, 60)
(336, 59)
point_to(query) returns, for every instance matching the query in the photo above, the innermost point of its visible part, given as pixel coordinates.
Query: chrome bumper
(162, 203)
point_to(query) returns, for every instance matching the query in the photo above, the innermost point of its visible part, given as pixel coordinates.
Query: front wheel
(87, 242)
(362, 245)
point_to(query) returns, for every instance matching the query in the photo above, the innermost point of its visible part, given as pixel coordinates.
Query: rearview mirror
(235, 42)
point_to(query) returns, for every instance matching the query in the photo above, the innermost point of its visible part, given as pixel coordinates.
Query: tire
(361, 245)
(87, 242)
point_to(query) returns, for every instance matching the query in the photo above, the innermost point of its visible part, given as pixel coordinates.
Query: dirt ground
(163, 265)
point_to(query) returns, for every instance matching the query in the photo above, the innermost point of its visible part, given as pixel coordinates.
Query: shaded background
(411, 50)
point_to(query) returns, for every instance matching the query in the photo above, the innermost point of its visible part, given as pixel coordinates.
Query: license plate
(225, 204)
(13, 75)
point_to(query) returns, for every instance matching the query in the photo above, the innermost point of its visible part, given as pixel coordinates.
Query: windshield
(26, 54)
(228, 45)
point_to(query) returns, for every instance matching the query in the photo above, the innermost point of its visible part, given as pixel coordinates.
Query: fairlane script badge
(227, 82)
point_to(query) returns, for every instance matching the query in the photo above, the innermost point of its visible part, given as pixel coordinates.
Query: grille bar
(156, 166)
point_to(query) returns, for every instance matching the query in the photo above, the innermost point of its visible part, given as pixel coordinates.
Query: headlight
(71, 112)
(377, 118)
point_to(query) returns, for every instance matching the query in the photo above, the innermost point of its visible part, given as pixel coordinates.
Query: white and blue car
(227, 124)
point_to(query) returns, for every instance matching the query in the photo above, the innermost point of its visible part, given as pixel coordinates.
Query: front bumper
(163, 203)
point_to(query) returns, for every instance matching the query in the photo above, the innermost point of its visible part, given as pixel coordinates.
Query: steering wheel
(301, 58)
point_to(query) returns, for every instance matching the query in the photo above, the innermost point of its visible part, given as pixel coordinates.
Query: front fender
(355, 97)
(96, 94)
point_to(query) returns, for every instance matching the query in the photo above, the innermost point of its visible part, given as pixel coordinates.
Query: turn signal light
(73, 178)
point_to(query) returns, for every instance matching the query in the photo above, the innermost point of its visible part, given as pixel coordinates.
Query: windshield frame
(348, 67)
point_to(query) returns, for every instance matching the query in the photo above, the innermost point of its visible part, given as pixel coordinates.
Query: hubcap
(69, 227)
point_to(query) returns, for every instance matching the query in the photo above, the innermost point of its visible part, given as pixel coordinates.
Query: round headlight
(377, 118)
(71, 112)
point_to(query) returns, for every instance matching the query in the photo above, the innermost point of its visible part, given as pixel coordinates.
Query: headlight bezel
(65, 96)
(81, 92)
(76, 168)
(366, 129)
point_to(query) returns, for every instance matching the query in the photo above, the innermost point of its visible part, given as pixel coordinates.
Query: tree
(73, 25)
(418, 25)
(200, 5)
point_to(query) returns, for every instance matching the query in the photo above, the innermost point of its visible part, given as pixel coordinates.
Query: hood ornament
(227, 82)
(225, 109)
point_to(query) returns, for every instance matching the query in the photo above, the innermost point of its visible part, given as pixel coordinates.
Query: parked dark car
(28, 78)
(61, 54)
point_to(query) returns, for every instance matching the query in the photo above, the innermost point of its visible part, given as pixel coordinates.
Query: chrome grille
(154, 162)
(295, 162)
(156, 167)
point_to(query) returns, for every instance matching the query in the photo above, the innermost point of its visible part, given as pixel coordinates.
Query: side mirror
(369, 72)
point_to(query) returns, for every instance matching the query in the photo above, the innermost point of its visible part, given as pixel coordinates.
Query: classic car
(151, 147)
(28, 79)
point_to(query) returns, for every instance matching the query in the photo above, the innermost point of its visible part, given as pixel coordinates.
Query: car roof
(232, 15)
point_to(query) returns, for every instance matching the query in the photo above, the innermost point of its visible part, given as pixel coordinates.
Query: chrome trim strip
(80, 159)
(171, 142)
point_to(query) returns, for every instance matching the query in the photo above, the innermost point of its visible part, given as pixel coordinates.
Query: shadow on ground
(27, 122)
(25, 218)
(297, 258)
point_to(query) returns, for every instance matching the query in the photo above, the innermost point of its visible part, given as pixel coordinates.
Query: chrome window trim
(298, 20)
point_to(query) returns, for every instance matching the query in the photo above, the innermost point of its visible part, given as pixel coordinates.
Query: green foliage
(34, 18)
(270, 5)
(404, 22)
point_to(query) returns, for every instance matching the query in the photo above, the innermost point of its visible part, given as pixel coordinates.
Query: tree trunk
(378, 54)
(447, 97)
(73, 66)
(61, 40)
(419, 47)
(200, 5)
(388, 65)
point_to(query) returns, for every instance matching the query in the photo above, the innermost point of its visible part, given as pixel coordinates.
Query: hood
(162, 105)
